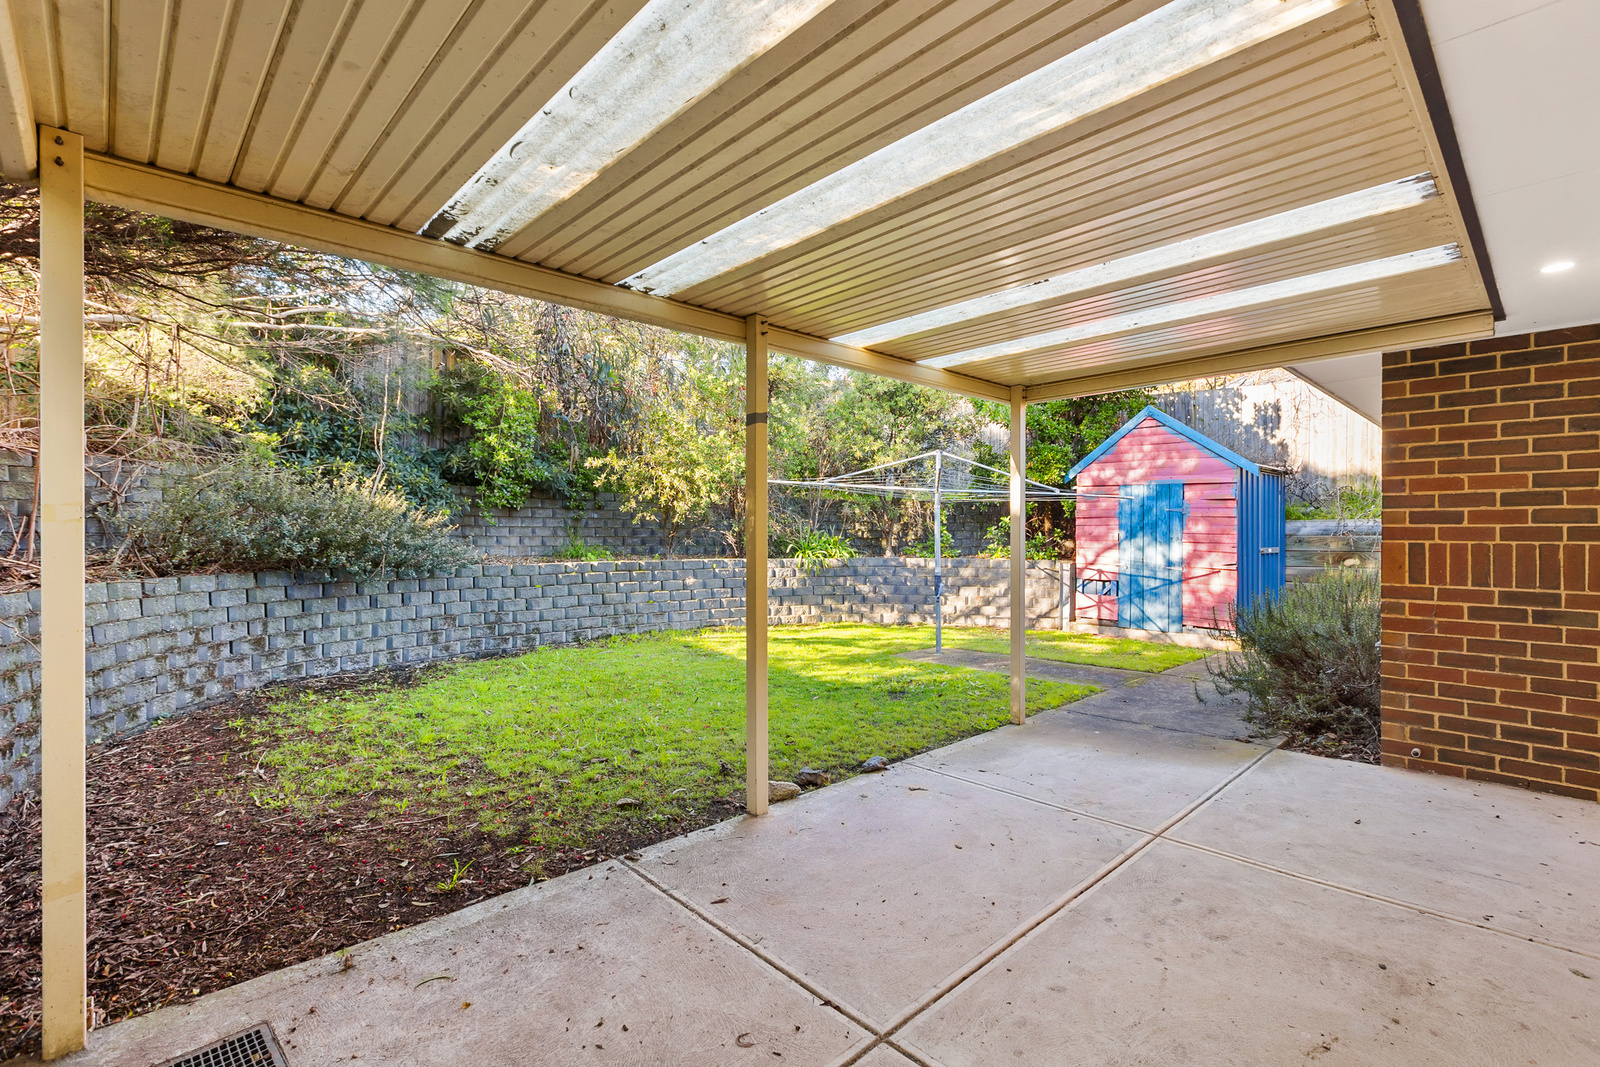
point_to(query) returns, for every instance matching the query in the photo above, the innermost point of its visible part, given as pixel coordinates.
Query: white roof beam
(1207, 306)
(19, 138)
(1166, 259)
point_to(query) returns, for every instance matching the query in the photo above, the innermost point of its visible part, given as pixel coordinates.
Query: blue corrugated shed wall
(1261, 539)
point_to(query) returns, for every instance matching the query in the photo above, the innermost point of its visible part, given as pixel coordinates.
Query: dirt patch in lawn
(193, 888)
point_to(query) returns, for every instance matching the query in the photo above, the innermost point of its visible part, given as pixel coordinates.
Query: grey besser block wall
(164, 646)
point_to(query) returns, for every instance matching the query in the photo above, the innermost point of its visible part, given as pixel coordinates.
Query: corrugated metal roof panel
(382, 110)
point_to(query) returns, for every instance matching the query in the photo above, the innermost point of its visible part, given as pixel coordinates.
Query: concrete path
(1086, 889)
(1165, 701)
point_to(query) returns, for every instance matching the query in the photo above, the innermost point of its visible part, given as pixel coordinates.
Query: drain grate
(253, 1048)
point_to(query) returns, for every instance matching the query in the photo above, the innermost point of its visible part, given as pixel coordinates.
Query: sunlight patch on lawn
(1093, 650)
(544, 745)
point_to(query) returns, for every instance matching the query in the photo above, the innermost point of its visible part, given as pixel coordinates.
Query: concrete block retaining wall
(168, 645)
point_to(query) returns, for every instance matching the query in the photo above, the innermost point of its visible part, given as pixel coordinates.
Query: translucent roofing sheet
(1299, 222)
(1202, 307)
(669, 55)
(1171, 41)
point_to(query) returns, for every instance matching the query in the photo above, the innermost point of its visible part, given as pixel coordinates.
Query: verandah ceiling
(1055, 193)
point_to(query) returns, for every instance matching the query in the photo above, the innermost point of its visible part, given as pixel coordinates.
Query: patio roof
(1066, 195)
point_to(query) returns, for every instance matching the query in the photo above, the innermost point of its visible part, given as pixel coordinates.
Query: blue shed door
(1150, 556)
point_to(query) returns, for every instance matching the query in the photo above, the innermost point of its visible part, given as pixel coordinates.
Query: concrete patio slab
(1122, 771)
(594, 967)
(1182, 957)
(977, 904)
(880, 887)
(1520, 861)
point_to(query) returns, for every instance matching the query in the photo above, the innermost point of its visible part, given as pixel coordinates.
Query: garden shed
(1173, 528)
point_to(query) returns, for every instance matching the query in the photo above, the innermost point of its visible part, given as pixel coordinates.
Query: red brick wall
(1491, 560)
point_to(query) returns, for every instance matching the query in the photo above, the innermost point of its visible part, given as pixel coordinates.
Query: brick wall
(1491, 560)
(168, 645)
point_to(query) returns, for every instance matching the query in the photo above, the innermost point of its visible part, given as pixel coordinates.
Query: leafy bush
(924, 549)
(249, 516)
(502, 447)
(1309, 663)
(581, 551)
(814, 549)
(997, 543)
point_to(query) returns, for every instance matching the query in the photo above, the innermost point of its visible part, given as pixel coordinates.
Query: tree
(685, 460)
(1060, 433)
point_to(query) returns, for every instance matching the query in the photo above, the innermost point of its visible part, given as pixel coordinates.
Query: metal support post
(755, 566)
(61, 648)
(1019, 555)
(938, 554)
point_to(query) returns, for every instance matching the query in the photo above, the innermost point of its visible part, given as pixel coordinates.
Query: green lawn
(1067, 647)
(545, 744)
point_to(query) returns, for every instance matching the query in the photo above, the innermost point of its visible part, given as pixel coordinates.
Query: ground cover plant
(285, 824)
(1093, 650)
(1309, 663)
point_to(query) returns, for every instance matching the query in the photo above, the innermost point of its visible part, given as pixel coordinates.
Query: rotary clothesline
(942, 477)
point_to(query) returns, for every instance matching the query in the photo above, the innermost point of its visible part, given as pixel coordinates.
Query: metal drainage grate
(253, 1048)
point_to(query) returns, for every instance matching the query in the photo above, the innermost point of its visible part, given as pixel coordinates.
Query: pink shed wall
(1152, 453)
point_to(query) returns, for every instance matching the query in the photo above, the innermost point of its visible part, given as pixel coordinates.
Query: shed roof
(1066, 196)
(1188, 433)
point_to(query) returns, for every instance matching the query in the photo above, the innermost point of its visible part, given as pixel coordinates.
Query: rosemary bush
(249, 515)
(1308, 663)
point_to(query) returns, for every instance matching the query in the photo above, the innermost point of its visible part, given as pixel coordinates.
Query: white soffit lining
(1356, 381)
(1521, 80)
(1166, 44)
(1287, 225)
(1203, 307)
(668, 56)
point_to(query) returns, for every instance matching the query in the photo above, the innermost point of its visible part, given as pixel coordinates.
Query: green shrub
(1308, 663)
(581, 551)
(814, 549)
(924, 549)
(997, 543)
(249, 516)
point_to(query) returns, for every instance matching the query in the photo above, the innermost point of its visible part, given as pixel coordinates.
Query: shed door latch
(1269, 551)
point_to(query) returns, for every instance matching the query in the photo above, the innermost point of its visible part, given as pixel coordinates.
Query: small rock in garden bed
(777, 791)
(627, 802)
(876, 763)
(810, 777)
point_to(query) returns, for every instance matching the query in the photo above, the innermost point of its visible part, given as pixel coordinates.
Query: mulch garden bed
(193, 887)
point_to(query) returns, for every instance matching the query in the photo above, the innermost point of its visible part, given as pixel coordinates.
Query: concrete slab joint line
(883, 1035)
